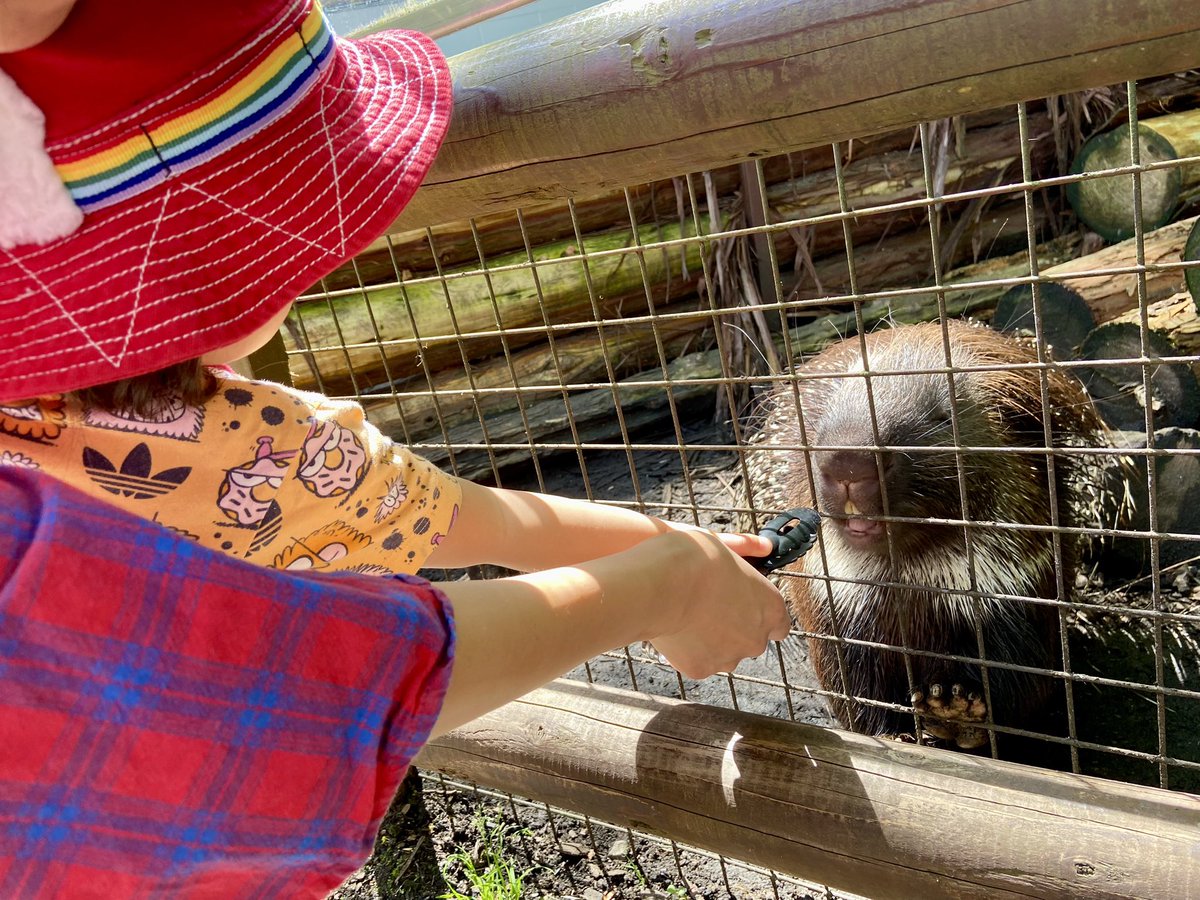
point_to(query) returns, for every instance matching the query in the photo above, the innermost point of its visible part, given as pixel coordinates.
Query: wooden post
(649, 90)
(872, 816)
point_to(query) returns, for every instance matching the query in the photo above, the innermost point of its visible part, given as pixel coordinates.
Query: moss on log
(423, 323)
(452, 397)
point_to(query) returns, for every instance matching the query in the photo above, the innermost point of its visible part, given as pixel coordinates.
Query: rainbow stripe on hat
(245, 106)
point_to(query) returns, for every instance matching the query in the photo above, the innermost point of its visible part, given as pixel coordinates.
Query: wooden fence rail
(653, 89)
(876, 817)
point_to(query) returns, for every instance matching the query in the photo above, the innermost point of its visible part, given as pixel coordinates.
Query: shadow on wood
(862, 814)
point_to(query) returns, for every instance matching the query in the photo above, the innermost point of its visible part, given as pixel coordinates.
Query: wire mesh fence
(659, 348)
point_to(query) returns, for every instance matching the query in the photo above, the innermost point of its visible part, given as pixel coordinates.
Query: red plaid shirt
(176, 722)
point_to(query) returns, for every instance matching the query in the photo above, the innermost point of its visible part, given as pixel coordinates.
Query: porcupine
(1000, 407)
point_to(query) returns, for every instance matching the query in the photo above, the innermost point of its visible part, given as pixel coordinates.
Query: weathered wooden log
(896, 262)
(706, 91)
(1176, 317)
(1182, 131)
(904, 260)
(1159, 96)
(1107, 294)
(959, 299)
(900, 260)
(1110, 294)
(1105, 203)
(991, 155)
(464, 306)
(419, 411)
(872, 816)
(882, 168)
(499, 232)
(645, 399)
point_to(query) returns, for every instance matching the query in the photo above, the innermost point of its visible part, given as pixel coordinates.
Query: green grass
(489, 873)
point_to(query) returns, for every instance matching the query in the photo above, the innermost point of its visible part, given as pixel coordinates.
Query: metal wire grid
(594, 839)
(768, 312)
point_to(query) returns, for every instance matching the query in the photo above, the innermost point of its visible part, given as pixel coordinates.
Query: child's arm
(529, 532)
(703, 607)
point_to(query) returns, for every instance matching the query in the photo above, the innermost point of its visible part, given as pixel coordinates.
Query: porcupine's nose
(849, 490)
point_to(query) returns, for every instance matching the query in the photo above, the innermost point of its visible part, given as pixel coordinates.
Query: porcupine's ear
(35, 206)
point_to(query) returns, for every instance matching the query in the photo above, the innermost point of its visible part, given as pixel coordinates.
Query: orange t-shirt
(280, 477)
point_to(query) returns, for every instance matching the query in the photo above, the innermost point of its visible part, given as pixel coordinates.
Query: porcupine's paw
(952, 715)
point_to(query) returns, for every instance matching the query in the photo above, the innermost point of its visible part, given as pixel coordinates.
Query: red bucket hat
(207, 162)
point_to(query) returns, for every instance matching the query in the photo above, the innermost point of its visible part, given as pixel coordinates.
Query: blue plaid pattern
(176, 722)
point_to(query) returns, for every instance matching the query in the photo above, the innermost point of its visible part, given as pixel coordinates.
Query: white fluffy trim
(35, 206)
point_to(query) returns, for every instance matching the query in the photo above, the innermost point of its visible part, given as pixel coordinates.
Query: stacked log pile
(571, 331)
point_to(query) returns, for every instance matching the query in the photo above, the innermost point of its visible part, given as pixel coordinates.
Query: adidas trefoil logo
(133, 479)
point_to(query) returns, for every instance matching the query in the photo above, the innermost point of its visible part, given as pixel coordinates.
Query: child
(194, 179)
(197, 162)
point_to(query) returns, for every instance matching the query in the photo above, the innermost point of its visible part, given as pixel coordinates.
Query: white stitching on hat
(114, 362)
(281, 25)
(75, 261)
(80, 262)
(33, 276)
(142, 275)
(336, 180)
(432, 74)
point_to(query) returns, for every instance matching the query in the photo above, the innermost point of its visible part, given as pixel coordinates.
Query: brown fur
(1001, 408)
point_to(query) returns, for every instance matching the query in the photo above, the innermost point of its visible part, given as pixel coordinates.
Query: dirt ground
(562, 857)
(568, 858)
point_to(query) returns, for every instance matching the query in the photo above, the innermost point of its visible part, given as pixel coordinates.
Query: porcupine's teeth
(857, 528)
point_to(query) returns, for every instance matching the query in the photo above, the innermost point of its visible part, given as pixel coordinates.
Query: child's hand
(702, 606)
(752, 546)
(747, 545)
(782, 541)
(724, 611)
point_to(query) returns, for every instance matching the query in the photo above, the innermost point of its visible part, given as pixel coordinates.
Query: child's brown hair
(189, 381)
